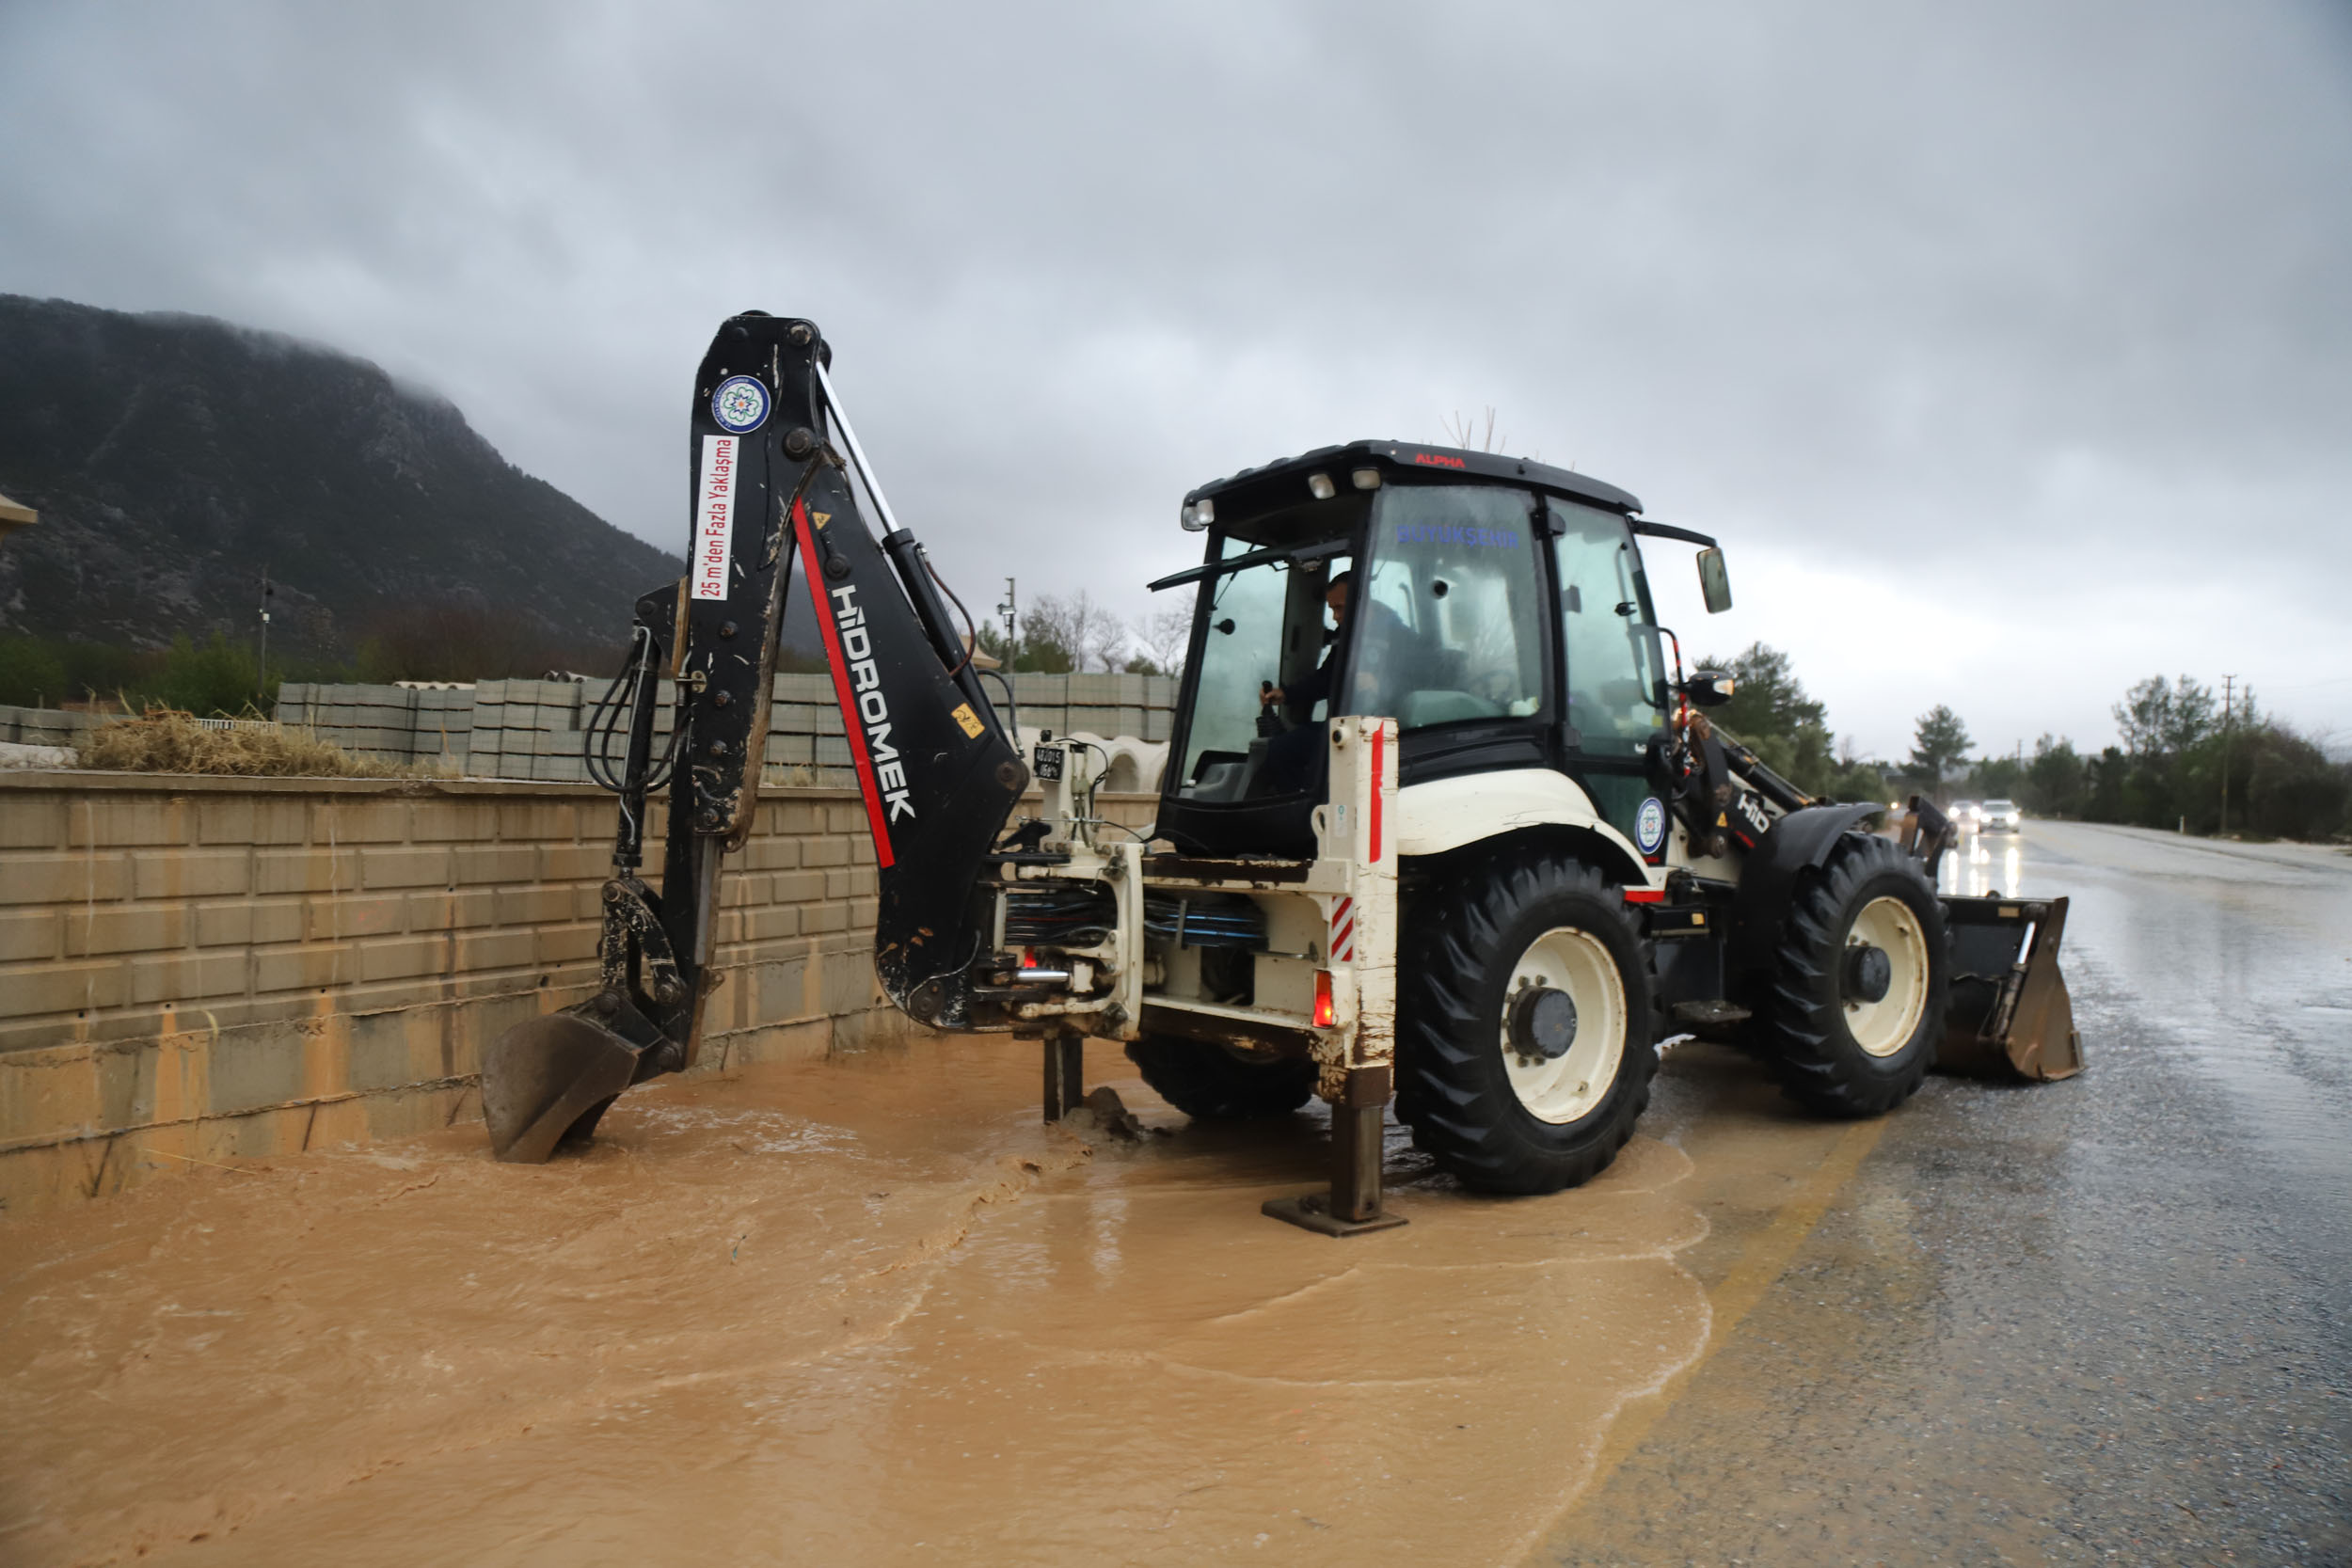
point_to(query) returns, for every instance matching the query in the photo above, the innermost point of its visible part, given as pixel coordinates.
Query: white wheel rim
(1885, 1026)
(1568, 1087)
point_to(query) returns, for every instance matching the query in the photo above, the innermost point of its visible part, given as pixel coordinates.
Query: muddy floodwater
(860, 1311)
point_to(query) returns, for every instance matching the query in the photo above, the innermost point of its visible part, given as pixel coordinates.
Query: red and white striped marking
(1344, 931)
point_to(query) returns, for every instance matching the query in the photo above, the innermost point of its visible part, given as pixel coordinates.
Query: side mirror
(1708, 688)
(1714, 582)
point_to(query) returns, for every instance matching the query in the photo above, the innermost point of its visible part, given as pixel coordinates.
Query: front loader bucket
(549, 1079)
(2011, 1016)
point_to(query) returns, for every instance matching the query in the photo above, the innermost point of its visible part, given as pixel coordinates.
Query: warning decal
(714, 516)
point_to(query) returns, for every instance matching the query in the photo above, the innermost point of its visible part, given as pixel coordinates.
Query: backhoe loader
(1444, 820)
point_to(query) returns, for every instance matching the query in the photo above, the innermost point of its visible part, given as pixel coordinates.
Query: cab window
(1614, 684)
(1452, 624)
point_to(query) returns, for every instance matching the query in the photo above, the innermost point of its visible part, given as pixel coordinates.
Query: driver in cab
(1292, 755)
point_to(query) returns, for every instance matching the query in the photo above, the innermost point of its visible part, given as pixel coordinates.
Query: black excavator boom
(774, 472)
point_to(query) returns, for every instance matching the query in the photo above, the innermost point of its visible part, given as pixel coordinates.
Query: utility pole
(1009, 609)
(2229, 690)
(262, 670)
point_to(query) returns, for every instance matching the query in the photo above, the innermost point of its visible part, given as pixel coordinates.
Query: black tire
(1455, 1087)
(1808, 1033)
(1211, 1084)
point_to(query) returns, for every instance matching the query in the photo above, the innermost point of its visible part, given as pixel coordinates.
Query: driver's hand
(1270, 696)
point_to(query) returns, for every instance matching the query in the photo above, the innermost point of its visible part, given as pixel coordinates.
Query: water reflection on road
(1985, 865)
(2238, 955)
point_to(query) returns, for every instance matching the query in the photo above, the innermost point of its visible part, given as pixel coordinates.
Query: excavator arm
(775, 472)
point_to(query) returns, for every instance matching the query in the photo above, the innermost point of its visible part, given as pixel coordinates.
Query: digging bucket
(546, 1080)
(2010, 1015)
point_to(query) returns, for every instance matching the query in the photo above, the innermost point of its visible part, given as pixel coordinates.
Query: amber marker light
(1325, 1013)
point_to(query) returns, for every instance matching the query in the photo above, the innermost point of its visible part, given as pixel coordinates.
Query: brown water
(861, 1312)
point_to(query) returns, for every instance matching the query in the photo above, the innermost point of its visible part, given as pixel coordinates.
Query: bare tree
(1164, 636)
(1088, 633)
(1464, 431)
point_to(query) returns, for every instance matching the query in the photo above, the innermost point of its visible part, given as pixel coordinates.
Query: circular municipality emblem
(1649, 826)
(740, 404)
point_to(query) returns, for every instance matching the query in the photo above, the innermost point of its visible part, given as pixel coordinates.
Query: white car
(1967, 816)
(2001, 816)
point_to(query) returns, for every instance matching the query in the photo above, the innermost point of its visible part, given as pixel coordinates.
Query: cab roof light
(1320, 488)
(1198, 515)
(1366, 478)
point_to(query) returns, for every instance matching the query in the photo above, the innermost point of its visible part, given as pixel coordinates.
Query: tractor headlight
(1197, 515)
(1320, 488)
(1366, 478)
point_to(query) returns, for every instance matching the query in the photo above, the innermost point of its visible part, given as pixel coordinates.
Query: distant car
(2001, 816)
(1967, 816)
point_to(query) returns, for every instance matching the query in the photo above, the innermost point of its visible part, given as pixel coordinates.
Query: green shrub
(31, 673)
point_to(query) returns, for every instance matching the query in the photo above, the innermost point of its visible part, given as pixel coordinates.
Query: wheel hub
(1562, 1036)
(1543, 1023)
(1883, 976)
(1869, 973)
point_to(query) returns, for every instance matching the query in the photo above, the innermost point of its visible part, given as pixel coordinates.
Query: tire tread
(1208, 1084)
(1445, 1088)
(1814, 1058)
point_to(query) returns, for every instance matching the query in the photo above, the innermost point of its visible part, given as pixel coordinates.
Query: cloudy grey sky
(2009, 348)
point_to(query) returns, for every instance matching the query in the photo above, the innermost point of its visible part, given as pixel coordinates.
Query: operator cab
(1495, 608)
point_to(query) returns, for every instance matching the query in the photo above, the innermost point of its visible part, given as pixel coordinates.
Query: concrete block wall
(195, 969)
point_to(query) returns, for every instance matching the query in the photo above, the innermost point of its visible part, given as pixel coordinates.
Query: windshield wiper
(1298, 555)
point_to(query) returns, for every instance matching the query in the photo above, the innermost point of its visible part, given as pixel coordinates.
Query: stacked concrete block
(47, 726)
(385, 722)
(443, 725)
(525, 729)
(1106, 705)
(297, 704)
(536, 730)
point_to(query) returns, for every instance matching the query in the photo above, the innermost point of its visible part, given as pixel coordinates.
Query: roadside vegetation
(222, 678)
(211, 677)
(2176, 745)
(1772, 714)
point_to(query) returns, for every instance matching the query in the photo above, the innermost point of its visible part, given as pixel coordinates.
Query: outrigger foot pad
(1353, 1206)
(1313, 1212)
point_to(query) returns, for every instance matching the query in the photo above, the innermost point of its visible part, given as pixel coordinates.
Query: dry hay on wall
(166, 741)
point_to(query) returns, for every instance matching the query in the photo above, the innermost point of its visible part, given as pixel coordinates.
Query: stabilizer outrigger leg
(1065, 1073)
(1353, 1206)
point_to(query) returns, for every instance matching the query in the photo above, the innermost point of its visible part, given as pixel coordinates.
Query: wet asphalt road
(2105, 1321)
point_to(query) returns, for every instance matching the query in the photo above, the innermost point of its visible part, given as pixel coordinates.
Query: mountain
(173, 458)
